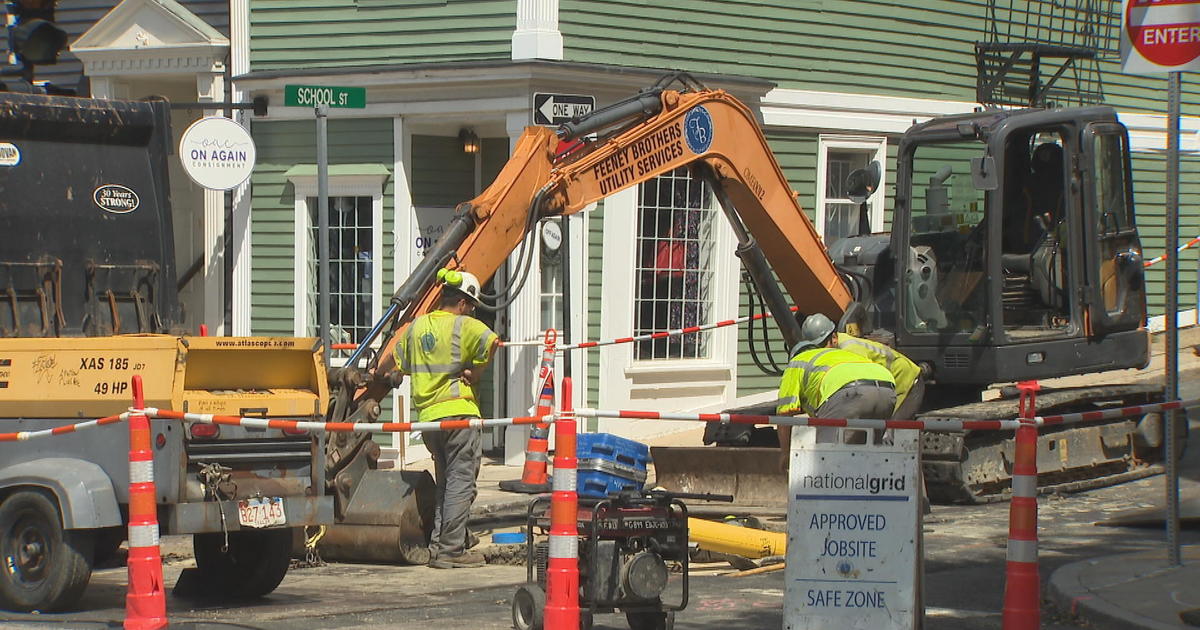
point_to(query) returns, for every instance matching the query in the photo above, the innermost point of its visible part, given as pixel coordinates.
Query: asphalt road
(965, 555)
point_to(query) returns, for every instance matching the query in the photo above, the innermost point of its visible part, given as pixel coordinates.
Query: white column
(211, 87)
(239, 64)
(524, 323)
(404, 225)
(537, 35)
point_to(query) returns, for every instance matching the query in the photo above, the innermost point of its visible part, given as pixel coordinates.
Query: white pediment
(150, 37)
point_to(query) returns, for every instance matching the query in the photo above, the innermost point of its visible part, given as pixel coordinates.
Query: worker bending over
(910, 382)
(825, 381)
(444, 353)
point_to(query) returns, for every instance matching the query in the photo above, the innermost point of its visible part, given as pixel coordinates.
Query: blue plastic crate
(597, 484)
(618, 450)
(608, 464)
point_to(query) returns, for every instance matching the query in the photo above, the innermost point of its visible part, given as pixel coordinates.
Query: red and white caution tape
(341, 427)
(654, 335)
(1118, 412)
(1178, 250)
(947, 425)
(932, 424)
(21, 436)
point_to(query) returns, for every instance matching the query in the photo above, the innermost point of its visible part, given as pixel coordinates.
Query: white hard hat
(462, 281)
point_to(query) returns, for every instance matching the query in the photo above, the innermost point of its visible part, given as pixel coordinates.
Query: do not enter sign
(1161, 35)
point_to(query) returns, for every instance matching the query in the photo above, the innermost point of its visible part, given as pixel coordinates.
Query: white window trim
(877, 144)
(339, 186)
(661, 384)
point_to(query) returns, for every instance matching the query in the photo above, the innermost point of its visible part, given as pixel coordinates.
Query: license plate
(264, 512)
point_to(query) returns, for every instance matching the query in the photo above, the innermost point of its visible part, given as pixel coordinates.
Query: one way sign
(555, 109)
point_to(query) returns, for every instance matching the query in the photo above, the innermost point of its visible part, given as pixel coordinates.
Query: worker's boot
(465, 560)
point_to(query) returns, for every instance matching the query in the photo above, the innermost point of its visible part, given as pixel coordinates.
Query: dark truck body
(88, 299)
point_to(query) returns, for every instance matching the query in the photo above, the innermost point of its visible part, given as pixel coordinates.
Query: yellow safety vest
(434, 351)
(812, 376)
(903, 370)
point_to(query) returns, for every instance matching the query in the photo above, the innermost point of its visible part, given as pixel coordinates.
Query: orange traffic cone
(145, 602)
(1022, 586)
(533, 476)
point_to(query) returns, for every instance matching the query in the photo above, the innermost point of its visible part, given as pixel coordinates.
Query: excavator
(1014, 255)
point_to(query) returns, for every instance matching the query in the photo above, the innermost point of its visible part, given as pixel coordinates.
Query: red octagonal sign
(1164, 32)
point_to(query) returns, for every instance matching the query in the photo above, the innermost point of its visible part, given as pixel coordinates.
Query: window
(355, 252)
(945, 286)
(837, 216)
(674, 269)
(550, 294)
(351, 298)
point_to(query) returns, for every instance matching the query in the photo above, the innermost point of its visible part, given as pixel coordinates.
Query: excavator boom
(709, 127)
(647, 136)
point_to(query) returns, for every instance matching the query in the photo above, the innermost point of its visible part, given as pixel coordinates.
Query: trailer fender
(83, 490)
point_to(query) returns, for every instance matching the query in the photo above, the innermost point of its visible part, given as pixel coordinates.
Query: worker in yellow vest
(910, 383)
(825, 381)
(444, 353)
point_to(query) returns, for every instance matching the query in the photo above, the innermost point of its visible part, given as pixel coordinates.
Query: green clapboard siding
(1149, 199)
(442, 175)
(282, 145)
(910, 49)
(290, 34)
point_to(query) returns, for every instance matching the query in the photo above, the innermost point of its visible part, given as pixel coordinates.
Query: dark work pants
(456, 456)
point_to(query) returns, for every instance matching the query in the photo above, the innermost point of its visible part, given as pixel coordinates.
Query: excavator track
(976, 467)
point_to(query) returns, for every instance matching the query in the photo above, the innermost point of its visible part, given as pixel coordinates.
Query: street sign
(555, 109)
(328, 95)
(1159, 36)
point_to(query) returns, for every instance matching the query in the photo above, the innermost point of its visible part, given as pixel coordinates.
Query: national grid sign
(852, 532)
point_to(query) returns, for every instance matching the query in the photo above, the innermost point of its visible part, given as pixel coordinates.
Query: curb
(1067, 593)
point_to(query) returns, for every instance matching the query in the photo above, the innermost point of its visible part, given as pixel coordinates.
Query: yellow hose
(741, 541)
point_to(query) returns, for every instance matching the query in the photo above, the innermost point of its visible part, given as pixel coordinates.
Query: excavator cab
(1016, 254)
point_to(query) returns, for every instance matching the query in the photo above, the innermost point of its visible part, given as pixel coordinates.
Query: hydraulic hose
(644, 105)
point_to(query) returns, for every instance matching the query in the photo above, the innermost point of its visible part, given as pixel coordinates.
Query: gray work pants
(856, 400)
(456, 456)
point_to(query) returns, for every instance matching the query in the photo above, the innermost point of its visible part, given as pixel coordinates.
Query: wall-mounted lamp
(470, 141)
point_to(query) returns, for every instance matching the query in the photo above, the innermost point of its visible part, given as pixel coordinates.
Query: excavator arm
(636, 140)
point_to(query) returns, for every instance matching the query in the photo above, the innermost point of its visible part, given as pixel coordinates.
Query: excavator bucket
(387, 520)
(754, 476)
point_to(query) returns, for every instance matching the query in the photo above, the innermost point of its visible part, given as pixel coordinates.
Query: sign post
(1163, 36)
(555, 109)
(321, 98)
(853, 554)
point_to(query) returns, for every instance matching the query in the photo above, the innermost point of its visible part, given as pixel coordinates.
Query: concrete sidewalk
(1130, 591)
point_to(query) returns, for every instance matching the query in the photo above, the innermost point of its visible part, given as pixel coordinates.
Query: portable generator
(627, 543)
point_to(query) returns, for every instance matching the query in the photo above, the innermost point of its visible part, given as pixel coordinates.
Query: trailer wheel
(252, 566)
(528, 606)
(45, 567)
